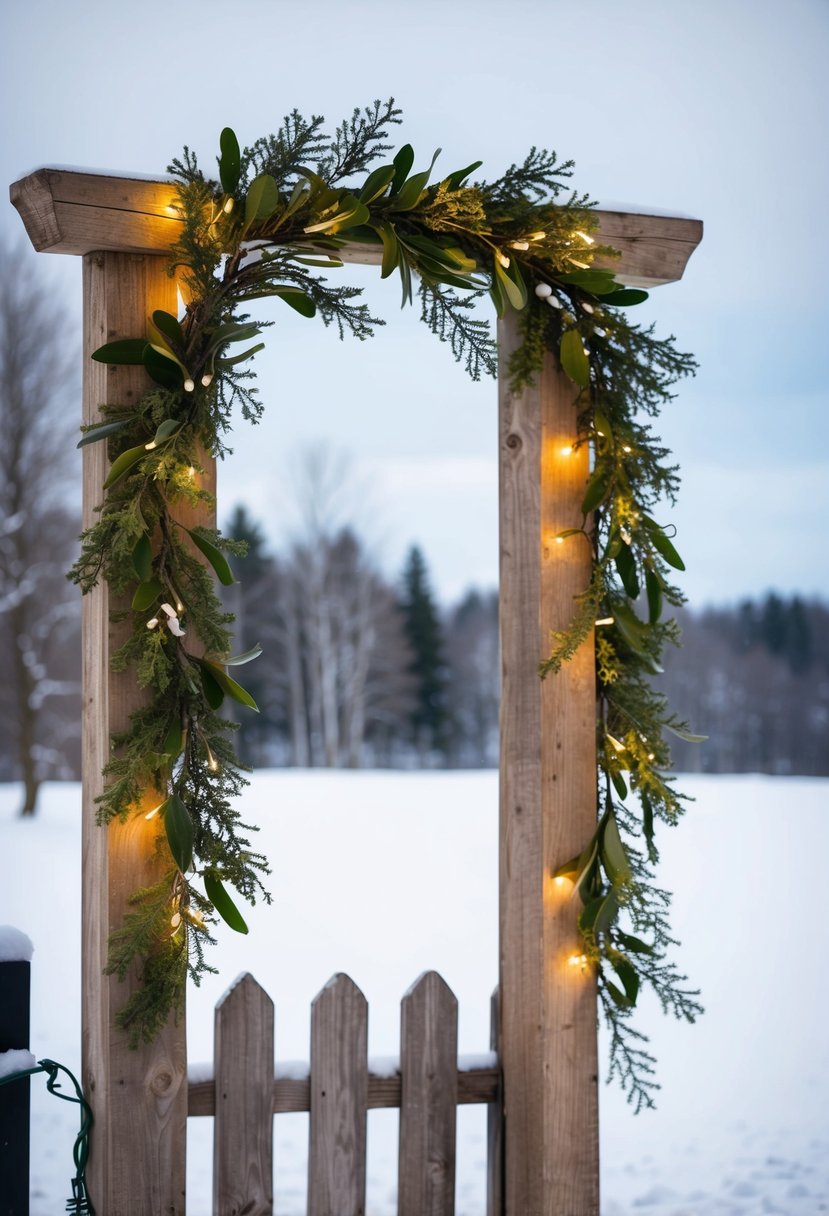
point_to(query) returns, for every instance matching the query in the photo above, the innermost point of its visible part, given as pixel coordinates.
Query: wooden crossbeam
(70, 212)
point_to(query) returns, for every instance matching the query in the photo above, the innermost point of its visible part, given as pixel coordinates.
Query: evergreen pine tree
(798, 637)
(748, 627)
(424, 632)
(774, 624)
(240, 526)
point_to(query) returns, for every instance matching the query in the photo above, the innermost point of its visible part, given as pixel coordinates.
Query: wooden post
(138, 1098)
(548, 805)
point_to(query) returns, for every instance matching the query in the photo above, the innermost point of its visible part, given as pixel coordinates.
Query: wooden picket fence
(245, 1094)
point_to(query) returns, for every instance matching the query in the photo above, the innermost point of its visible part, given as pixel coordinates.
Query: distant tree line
(755, 679)
(362, 671)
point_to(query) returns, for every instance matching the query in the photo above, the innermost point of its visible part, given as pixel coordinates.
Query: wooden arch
(124, 228)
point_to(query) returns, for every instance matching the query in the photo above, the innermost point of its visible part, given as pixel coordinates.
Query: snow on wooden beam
(67, 211)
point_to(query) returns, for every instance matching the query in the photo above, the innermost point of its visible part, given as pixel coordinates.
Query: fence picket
(339, 1100)
(243, 1128)
(429, 1098)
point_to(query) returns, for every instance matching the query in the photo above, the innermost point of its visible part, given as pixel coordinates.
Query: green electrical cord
(80, 1204)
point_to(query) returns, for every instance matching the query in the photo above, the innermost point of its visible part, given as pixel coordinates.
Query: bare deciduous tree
(39, 393)
(333, 675)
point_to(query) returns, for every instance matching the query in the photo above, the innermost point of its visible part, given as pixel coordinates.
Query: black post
(14, 1096)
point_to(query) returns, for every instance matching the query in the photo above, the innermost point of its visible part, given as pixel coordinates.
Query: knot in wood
(514, 442)
(161, 1082)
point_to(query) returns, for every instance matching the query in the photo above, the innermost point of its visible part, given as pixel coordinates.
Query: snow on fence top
(15, 946)
(16, 1060)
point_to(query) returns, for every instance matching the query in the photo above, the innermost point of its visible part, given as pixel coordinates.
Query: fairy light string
(79, 1204)
(274, 221)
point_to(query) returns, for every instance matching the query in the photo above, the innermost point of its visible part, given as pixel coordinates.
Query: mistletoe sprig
(279, 214)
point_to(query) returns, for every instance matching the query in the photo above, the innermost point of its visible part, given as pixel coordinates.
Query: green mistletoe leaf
(102, 432)
(215, 556)
(573, 357)
(230, 160)
(221, 901)
(142, 558)
(126, 352)
(179, 828)
(123, 463)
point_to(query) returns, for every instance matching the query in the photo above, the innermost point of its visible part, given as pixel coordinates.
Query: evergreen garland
(279, 214)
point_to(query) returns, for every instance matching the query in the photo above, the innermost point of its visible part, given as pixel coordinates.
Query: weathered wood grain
(66, 211)
(243, 1126)
(339, 1091)
(548, 805)
(139, 1098)
(429, 1098)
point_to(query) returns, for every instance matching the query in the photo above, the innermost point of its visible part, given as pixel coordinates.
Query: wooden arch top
(67, 211)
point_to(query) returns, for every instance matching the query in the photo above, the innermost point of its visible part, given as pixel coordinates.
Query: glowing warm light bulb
(212, 762)
(228, 207)
(560, 881)
(588, 240)
(651, 755)
(559, 540)
(191, 472)
(502, 258)
(152, 814)
(175, 920)
(179, 606)
(578, 960)
(605, 620)
(566, 450)
(148, 447)
(581, 265)
(627, 449)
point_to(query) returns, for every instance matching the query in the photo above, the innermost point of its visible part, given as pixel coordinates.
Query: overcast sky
(715, 109)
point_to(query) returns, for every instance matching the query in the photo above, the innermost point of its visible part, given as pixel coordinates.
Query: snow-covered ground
(385, 875)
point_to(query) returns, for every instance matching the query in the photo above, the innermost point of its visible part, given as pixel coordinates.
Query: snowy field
(385, 875)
